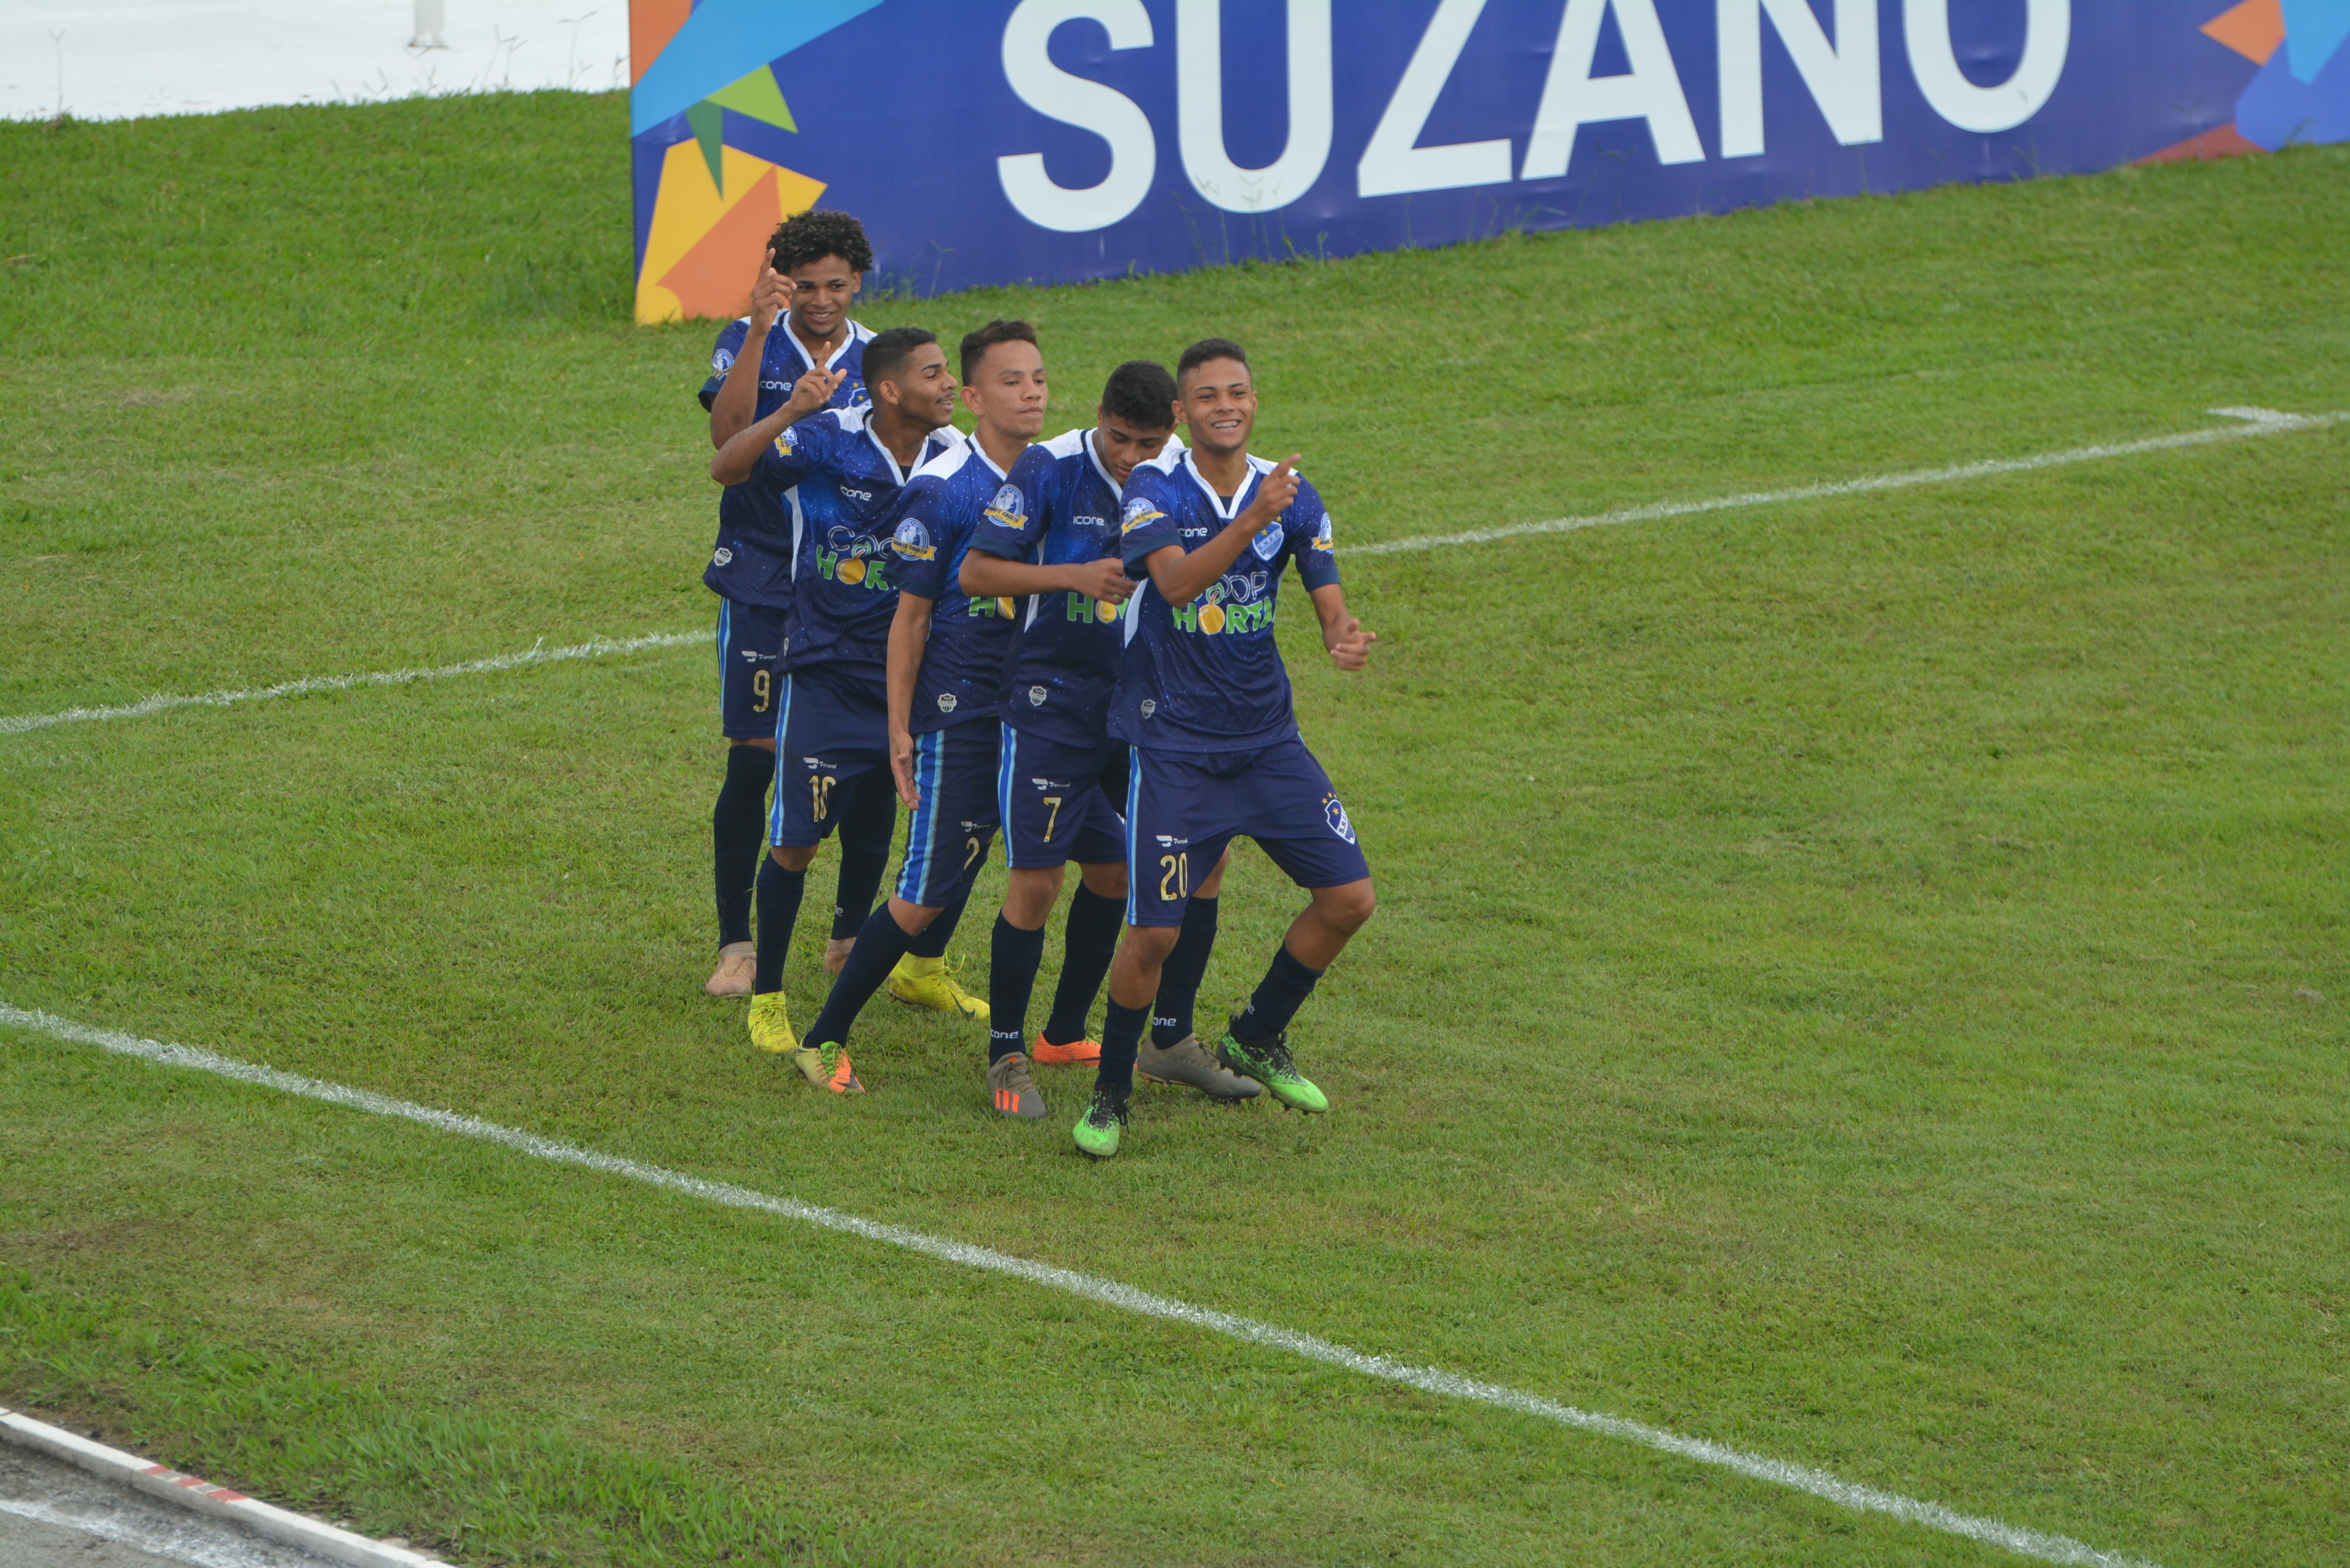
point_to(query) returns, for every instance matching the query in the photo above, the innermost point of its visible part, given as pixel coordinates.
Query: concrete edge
(188, 1492)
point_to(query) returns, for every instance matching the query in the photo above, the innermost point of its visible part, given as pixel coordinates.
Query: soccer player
(846, 466)
(1204, 699)
(1062, 777)
(946, 672)
(813, 266)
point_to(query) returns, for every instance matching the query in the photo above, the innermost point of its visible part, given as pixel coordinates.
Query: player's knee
(793, 857)
(1349, 908)
(1028, 895)
(1105, 881)
(1150, 944)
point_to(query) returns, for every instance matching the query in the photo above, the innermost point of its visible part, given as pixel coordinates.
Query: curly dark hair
(813, 236)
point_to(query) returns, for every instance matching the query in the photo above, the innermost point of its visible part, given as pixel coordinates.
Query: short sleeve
(730, 340)
(795, 454)
(1015, 521)
(1146, 522)
(1307, 524)
(920, 542)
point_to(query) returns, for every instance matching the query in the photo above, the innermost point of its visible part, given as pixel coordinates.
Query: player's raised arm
(737, 402)
(1180, 578)
(739, 458)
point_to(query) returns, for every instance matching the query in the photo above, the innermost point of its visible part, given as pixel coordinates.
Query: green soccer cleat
(826, 1066)
(1269, 1064)
(1097, 1130)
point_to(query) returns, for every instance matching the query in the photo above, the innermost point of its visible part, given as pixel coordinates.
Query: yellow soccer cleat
(925, 982)
(771, 1025)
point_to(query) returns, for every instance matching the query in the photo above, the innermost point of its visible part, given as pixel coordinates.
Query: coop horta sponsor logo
(854, 558)
(1233, 606)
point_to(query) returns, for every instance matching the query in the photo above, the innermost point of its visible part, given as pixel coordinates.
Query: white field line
(2252, 423)
(1109, 1293)
(594, 648)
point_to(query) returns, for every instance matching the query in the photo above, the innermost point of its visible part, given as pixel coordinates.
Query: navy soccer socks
(866, 825)
(738, 836)
(780, 892)
(1121, 1041)
(1180, 977)
(1089, 944)
(1013, 957)
(880, 945)
(1286, 985)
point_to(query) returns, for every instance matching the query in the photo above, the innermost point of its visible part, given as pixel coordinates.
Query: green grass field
(1862, 981)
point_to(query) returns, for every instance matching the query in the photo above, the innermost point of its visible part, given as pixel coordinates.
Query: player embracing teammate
(1070, 641)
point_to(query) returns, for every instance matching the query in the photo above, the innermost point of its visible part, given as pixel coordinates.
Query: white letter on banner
(1087, 105)
(1843, 80)
(1572, 99)
(1199, 86)
(2047, 42)
(1395, 163)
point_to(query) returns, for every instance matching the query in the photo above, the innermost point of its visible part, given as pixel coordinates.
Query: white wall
(120, 58)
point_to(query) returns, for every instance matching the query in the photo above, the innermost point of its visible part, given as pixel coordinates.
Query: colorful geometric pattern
(2302, 92)
(704, 85)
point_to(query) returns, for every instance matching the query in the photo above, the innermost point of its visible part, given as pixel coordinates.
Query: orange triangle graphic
(713, 280)
(2253, 29)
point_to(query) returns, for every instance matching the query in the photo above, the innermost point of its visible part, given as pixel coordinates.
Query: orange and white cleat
(1075, 1054)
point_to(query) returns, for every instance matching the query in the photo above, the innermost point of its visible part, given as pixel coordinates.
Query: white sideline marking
(1109, 1293)
(2255, 423)
(594, 648)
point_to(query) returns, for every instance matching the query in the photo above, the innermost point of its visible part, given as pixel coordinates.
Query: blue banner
(987, 141)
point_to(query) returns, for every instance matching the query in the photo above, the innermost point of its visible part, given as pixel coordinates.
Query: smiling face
(922, 388)
(1219, 402)
(820, 295)
(1122, 445)
(1006, 391)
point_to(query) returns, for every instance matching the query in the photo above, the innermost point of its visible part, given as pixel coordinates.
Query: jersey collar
(857, 335)
(1258, 469)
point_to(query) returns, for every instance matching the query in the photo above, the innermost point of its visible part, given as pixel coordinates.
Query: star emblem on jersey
(1139, 514)
(946, 702)
(1009, 509)
(1335, 815)
(721, 557)
(1035, 696)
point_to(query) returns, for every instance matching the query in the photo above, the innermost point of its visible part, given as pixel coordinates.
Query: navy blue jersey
(1065, 659)
(752, 561)
(941, 510)
(840, 488)
(1210, 672)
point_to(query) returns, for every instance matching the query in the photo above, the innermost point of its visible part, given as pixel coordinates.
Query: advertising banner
(988, 142)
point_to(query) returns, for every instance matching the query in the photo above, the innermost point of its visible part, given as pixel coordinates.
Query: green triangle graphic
(757, 97)
(708, 121)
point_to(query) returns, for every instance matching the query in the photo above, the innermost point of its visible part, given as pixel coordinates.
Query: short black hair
(975, 345)
(1142, 393)
(1205, 349)
(888, 353)
(813, 236)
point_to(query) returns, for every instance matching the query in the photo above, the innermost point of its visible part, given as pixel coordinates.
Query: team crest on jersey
(946, 702)
(1009, 509)
(1335, 815)
(912, 541)
(1267, 543)
(721, 361)
(721, 557)
(789, 441)
(1322, 539)
(1139, 514)
(1148, 707)
(1035, 696)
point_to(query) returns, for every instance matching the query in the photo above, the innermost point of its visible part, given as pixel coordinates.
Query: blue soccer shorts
(1182, 808)
(954, 819)
(1057, 802)
(830, 735)
(750, 647)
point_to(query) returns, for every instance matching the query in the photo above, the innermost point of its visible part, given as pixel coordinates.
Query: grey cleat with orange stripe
(1010, 1091)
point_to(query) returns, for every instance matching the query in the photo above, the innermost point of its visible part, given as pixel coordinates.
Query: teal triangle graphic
(709, 123)
(2313, 30)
